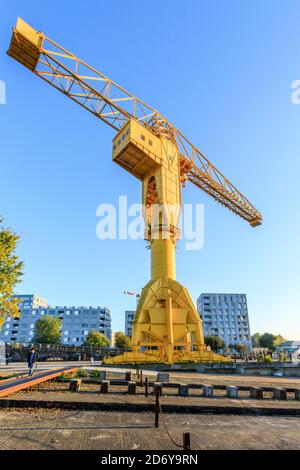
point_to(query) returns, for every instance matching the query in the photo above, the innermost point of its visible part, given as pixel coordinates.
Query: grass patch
(82, 373)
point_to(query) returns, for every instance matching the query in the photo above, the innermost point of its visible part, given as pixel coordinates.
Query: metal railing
(17, 352)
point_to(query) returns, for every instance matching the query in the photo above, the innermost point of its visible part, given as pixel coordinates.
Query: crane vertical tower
(166, 327)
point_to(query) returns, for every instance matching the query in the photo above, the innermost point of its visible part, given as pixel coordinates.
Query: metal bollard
(128, 376)
(186, 441)
(131, 388)
(157, 387)
(102, 374)
(183, 390)
(104, 386)
(156, 409)
(208, 390)
(141, 378)
(75, 385)
(279, 394)
(232, 392)
(256, 392)
(163, 377)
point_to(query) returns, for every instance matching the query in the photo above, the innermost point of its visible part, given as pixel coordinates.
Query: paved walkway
(184, 377)
(61, 429)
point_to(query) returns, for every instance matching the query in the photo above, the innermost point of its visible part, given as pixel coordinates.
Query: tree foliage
(95, 338)
(215, 342)
(240, 348)
(255, 340)
(279, 340)
(267, 340)
(47, 330)
(122, 341)
(10, 272)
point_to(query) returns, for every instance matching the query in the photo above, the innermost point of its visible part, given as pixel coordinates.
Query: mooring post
(186, 441)
(157, 409)
(128, 376)
(146, 386)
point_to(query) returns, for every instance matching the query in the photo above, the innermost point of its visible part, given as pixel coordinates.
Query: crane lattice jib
(114, 105)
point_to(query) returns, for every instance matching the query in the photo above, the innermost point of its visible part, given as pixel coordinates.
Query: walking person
(31, 360)
(7, 358)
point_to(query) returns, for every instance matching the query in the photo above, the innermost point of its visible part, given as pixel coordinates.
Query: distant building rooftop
(289, 345)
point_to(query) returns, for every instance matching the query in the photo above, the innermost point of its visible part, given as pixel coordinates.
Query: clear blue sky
(222, 72)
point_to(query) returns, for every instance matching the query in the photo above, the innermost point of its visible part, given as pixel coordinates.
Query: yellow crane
(167, 327)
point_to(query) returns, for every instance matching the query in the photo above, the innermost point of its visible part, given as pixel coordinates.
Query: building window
(150, 142)
(142, 137)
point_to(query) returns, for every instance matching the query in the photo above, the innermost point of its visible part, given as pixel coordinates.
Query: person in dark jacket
(7, 358)
(31, 360)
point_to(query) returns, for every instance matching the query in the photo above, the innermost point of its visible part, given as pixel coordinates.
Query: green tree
(279, 340)
(240, 348)
(10, 272)
(47, 330)
(267, 341)
(122, 341)
(255, 340)
(215, 342)
(95, 338)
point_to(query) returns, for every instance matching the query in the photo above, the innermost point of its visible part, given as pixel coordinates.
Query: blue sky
(222, 72)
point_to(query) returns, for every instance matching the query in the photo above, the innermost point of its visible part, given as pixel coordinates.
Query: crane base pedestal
(193, 357)
(167, 328)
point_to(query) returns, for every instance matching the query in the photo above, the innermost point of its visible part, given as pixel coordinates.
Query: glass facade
(226, 316)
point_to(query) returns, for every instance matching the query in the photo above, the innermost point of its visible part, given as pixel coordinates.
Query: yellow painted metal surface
(167, 327)
(163, 259)
(136, 149)
(116, 106)
(25, 45)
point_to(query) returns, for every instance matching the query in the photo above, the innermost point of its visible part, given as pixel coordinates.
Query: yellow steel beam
(100, 95)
